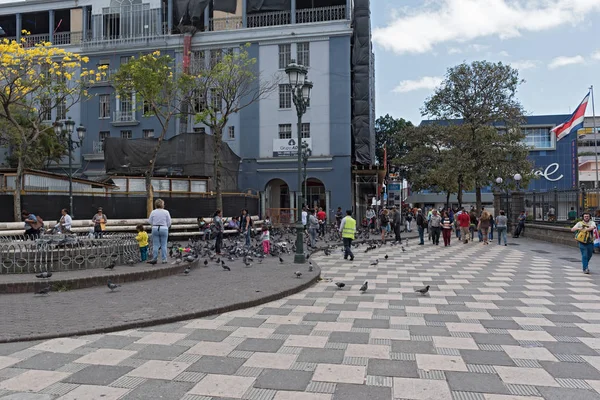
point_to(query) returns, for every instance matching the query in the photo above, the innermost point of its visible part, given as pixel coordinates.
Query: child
(142, 238)
(266, 240)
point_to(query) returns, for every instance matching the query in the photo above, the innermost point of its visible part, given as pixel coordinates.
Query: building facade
(318, 34)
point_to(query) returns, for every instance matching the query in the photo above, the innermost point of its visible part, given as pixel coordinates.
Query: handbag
(584, 237)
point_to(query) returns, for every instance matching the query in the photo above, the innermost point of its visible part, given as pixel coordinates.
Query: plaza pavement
(500, 323)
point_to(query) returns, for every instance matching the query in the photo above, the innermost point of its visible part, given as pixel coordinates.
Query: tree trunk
(149, 193)
(478, 197)
(448, 199)
(459, 192)
(18, 185)
(217, 133)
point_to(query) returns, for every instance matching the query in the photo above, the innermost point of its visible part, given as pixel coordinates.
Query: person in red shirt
(464, 222)
(322, 217)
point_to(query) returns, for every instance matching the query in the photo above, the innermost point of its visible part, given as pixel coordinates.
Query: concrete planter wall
(552, 234)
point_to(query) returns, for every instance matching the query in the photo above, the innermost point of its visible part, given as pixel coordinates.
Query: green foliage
(387, 133)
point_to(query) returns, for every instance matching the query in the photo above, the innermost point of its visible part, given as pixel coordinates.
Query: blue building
(322, 35)
(555, 162)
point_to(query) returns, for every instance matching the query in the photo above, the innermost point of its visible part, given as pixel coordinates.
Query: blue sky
(553, 43)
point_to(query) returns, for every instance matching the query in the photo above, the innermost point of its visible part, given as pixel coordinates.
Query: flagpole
(595, 134)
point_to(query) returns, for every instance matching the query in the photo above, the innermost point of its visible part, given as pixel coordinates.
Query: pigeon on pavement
(130, 262)
(44, 291)
(152, 262)
(403, 249)
(364, 287)
(298, 274)
(225, 267)
(310, 266)
(386, 257)
(375, 262)
(111, 266)
(423, 291)
(205, 263)
(112, 286)
(281, 260)
(44, 275)
(340, 285)
(187, 270)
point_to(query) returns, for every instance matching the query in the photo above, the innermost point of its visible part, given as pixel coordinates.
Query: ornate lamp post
(65, 131)
(301, 88)
(517, 179)
(306, 153)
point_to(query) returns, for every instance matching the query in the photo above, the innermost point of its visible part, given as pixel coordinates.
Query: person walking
(142, 239)
(397, 225)
(520, 225)
(160, 220)
(338, 217)
(348, 231)
(501, 227)
(322, 218)
(464, 221)
(384, 221)
(435, 223)
(473, 225)
(304, 217)
(371, 219)
(484, 226)
(313, 226)
(99, 221)
(409, 218)
(266, 240)
(585, 237)
(446, 228)
(218, 230)
(421, 224)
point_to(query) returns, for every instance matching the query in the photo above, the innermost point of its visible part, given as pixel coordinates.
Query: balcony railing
(320, 14)
(59, 39)
(274, 18)
(225, 24)
(124, 116)
(98, 147)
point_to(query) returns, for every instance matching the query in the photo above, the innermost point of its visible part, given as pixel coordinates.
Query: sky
(554, 44)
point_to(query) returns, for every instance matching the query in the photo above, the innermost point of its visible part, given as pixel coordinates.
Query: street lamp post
(301, 88)
(517, 179)
(67, 129)
(306, 153)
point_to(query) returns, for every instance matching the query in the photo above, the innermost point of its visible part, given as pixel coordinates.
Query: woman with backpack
(585, 237)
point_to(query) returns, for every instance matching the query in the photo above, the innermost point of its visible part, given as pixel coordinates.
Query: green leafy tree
(163, 90)
(482, 94)
(228, 84)
(387, 129)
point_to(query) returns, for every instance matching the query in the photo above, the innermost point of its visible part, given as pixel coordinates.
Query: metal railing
(225, 24)
(124, 116)
(98, 147)
(281, 216)
(269, 19)
(320, 14)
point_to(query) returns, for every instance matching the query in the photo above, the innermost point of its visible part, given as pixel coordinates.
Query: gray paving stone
(553, 393)
(569, 348)
(441, 318)
(300, 302)
(486, 338)
(294, 330)
(47, 361)
(573, 332)
(324, 356)
(160, 352)
(159, 389)
(100, 375)
(371, 323)
(112, 342)
(565, 318)
(278, 379)
(349, 337)
(342, 307)
(7, 349)
(418, 330)
(399, 369)
(208, 335)
(247, 322)
(358, 299)
(274, 311)
(28, 396)
(262, 345)
(488, 323)
(346, 391)
(320, 317)
(486, 357)
(405, 346)
(570, 370)
(216, 365)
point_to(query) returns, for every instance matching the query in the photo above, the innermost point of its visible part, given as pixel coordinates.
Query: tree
(34, 81)
(386, 134)
(154, 78)
(481, 94)
(228, 84)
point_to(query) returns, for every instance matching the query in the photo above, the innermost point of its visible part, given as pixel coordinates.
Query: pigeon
(281, 260)
(298, 274)
(111, 266)
(44, 275)
(386, 257)
(130, 262)
(403, 249)
(112, 286)
(307, 256)
(190, 259)
(364, 287)
(310, 266)
(178, 261)
(44, 291)
(327, 252)
(375, 262)
(247, 264)
(423, 291)
(218, 260)
(205, 263)
(151, 262)
(187, 270)
(340, 285)
(225, 267)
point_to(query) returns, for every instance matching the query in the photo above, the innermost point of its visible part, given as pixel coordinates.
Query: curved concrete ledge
(206, 291)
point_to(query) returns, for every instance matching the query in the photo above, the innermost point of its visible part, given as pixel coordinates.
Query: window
(197, 62)
(231, 132)
(102, 135)
(216, 100)
(104, 106)
(285, 55)
(147, 109)
(215, 56)
(200, 130)
(305, 131)
(126, 134)
(61, 109)
(46, 109)
(125, 59)
(198, 101)
(538, 138)
(304, 54)
(285, 96)
(148, 133)
(126, 106)
(285, 131)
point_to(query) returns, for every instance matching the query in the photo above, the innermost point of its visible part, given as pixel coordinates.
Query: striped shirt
(446, 223)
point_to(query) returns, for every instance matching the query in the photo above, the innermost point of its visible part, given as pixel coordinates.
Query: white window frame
(102, 135)
(305, 130)
(148, 133)
(127, 131)
(285, 90)
(285, 55)
(303, 56)
(107, 106)
(231, 132)
(285, 131)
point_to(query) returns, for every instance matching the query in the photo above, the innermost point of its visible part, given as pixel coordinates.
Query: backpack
(39, 224)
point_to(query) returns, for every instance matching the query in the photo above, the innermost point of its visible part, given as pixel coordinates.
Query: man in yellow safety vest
(348, 229)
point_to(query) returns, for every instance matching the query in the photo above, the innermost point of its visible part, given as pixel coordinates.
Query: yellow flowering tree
(34, 80)
(230, 84)
(163, 90)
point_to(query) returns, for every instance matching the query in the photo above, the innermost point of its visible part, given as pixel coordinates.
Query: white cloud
(596, 55)
(524, 64)
(457, 21)
(454, 50)
(563, 61)
(426, 82)
(503, 53)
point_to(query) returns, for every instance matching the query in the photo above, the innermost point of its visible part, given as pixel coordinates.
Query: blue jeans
(347, 248)
(491, 232)
(248, 237)
(144, 253)
(501, 233)
(587, 251)
(313, 236)
(421, 234)
(160, 234)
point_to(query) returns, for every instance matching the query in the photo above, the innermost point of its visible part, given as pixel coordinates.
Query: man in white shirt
(304, 217)
(65, 221)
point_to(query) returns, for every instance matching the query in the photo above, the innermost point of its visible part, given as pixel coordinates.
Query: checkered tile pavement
(500, 323)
